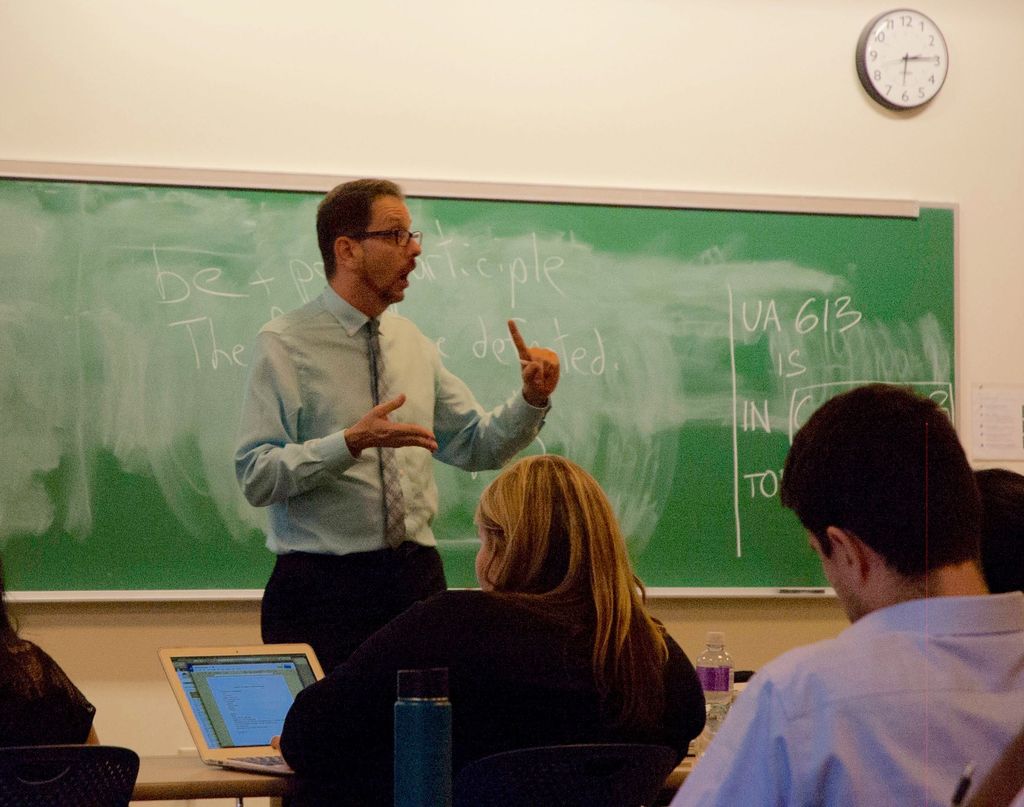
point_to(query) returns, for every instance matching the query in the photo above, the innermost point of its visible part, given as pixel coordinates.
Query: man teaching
(345, 406)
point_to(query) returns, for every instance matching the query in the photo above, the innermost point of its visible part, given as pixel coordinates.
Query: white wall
(719, 95)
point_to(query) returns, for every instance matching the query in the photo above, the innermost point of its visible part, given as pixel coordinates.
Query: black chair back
(67, 775)
(601, 775)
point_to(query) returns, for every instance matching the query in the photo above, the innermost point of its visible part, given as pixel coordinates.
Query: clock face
(902, 59)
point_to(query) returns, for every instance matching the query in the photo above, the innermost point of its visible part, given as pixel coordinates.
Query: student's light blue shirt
(309, 380)
(887, 713)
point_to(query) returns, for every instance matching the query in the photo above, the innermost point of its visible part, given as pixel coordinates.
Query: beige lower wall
(110, 649)
(756, 630)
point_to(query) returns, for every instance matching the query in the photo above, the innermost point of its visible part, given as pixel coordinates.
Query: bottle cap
(716, 637)
(429, 684)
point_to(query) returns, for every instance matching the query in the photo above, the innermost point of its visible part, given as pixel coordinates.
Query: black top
(38, 703)
(516, 680)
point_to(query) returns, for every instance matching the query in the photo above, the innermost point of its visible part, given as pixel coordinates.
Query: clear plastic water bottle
(423, 739)
(716, 713)
(715, 670)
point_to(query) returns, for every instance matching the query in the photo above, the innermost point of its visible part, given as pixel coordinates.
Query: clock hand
(906, 58)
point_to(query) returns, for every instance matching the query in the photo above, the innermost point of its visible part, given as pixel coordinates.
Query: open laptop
(235, 699)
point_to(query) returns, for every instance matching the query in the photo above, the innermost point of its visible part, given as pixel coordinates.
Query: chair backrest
(68, 775)
(600, 775)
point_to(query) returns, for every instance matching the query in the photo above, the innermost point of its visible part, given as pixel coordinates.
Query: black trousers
(334, 602)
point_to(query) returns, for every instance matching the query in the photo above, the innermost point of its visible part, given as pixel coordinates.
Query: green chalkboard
(692, 341)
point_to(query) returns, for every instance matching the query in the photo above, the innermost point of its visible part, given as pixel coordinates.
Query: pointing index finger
(517, 339)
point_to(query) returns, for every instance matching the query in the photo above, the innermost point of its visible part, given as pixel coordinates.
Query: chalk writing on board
(809, 347)
(524, 264)
(575, 357)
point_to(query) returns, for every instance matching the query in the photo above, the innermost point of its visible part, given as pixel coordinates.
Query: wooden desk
(675, 779)
(186, 777)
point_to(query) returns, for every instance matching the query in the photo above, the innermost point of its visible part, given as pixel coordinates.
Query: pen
(962, 785)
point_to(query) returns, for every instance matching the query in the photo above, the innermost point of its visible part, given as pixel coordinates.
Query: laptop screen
(242, 700)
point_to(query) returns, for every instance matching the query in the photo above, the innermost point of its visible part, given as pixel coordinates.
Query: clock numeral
(920, 92)
(878, 75)
(880, 36)
(906, 21)
(874, 55)
(931, 40)
(888, 88)
(938, 60)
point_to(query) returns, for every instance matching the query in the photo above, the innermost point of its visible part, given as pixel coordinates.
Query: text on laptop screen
(242, 700)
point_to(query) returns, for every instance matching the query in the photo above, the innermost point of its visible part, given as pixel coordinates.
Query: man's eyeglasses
(401, 237)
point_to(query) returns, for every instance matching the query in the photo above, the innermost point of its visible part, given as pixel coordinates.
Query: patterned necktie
(392, 501)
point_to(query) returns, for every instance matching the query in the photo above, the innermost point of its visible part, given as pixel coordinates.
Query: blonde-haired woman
(555, 648)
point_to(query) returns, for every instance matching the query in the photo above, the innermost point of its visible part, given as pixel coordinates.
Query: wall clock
(902, 59)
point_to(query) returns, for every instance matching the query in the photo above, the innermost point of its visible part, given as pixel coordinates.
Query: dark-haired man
(930, 675)
(345, 407)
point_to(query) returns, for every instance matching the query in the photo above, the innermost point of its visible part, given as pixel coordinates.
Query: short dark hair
(1002, 528)
(346, 210)
(885, 464)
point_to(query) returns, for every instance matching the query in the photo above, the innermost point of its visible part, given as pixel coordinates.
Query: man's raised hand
(540, 369)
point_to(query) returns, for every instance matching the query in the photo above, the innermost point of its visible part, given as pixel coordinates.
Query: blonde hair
(556, 545)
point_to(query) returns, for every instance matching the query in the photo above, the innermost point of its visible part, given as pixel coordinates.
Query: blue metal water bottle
(423, 739)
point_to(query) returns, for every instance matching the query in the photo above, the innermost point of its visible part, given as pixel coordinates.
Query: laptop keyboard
(270, 760)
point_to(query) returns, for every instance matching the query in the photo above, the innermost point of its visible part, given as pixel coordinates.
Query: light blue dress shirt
(887, 713)
(308, 381)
